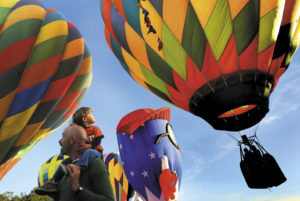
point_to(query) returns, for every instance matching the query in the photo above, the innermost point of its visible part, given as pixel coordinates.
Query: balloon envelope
(49, 168)
(45, 71)
(144, 137)
(217, 59)
(122, 189)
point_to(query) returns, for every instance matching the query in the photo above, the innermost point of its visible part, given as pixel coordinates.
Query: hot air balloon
(218, 59)
(49, 168)
(122, 189)
(150, 154)
(45, 71)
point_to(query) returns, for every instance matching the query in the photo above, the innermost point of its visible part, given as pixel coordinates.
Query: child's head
(84, 117)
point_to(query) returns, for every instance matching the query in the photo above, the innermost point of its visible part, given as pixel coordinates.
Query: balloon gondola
(259, 167)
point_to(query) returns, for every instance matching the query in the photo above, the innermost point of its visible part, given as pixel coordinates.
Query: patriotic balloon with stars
(150, 154)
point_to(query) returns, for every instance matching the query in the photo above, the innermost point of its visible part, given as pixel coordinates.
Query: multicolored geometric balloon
(151, 157)
(49, 168)
(45, 71)
(217, 59)
(122, 189)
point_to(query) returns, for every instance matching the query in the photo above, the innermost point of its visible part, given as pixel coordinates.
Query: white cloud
(223, 150)
(269, 119)
(276, 198)
(197, 160)
(285, 98)
(228, 146)
(280, 109)
(193, 191)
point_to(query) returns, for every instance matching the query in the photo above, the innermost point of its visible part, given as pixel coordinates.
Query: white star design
(132, 173)
(122, 163)
(152, 155)
(121, 146)
(123, 133)
(145, 173)
(131, 137)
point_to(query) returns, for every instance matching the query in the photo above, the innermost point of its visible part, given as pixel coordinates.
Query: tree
(9, 196)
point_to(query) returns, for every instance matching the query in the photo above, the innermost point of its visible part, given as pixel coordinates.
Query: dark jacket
(95, 182)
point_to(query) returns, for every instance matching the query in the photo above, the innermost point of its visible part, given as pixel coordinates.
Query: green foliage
(9, 196)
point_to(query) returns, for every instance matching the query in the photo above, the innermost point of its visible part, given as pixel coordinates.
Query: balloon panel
(45, 72)
(49, 168)
(122, 189)
(142, 147)
(219, 60)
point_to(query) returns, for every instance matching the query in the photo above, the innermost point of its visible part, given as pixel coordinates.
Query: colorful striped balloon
(218, 59)
(122, 189)
(45, 71)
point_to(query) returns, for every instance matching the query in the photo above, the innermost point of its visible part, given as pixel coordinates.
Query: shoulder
(91, 153)
(96, 130)
(97, 165)
(97, 169)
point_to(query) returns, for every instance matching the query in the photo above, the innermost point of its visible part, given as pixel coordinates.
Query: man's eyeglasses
(170, 134)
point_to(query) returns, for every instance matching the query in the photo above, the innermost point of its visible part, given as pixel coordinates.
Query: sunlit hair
(79, 114)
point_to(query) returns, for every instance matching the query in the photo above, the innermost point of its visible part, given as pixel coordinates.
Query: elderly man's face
(72, 135)
(65, 142)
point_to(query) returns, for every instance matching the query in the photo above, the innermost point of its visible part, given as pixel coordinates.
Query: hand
(167, 185)
(84, 147)
(74, 172)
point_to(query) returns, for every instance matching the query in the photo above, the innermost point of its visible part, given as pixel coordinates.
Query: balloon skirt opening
(234, 104)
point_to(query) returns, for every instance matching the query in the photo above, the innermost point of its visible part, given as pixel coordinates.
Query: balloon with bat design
(218, 59)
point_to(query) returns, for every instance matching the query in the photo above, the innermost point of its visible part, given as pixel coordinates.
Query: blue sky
(210, 158)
